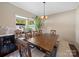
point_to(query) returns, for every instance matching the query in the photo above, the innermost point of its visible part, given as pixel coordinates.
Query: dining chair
(40, 31)
(28, 35)
(18, 33)
(53, 32)
(24, 49)
(35, 33)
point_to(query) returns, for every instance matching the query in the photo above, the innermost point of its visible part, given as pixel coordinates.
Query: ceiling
(37, 8)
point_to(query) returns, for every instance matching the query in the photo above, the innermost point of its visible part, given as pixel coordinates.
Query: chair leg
(29, 51)
(20, 53)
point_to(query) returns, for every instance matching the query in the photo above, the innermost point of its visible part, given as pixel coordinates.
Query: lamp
(44, 17)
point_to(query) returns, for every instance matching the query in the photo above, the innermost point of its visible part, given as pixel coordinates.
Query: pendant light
(44, 17)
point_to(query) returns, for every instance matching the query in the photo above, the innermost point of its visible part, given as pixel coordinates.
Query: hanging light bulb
(44, 17)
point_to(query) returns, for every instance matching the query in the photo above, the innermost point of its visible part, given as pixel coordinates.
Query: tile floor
(64, 49)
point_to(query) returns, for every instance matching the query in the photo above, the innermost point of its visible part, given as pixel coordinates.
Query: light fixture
(44, 17)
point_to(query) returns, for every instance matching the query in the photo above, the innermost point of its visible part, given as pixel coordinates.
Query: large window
(26, 24)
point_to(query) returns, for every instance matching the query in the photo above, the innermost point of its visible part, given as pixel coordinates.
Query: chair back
(23, 48)
(53, 32)
(40, 31)
(28, 35)
(18, 33)
(35, 33)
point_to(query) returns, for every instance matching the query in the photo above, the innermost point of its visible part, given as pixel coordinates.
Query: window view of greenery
(20, 22)
(29, 25)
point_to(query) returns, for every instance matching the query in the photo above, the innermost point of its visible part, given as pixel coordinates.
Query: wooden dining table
(45, 41)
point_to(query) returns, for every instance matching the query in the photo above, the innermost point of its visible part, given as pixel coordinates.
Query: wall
(77, 27)
(64, 23)
(8, 12)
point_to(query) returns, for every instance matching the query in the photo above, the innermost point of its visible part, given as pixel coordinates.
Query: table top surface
(45, 41)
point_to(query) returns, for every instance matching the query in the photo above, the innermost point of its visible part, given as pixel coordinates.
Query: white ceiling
(37, 8)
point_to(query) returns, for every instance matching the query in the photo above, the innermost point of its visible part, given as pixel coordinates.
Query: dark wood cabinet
(7, 44)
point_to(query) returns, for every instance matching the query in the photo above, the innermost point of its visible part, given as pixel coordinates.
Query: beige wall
(64, 23)
(77, 28)
(8, 12)
(77, 25)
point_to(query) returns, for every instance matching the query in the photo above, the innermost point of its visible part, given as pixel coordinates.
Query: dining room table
(45, 41)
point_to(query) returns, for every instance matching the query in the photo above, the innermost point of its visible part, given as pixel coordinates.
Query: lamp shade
(44, 17)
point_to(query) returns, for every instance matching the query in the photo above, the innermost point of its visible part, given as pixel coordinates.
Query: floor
(63, 50)
(37, 53)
